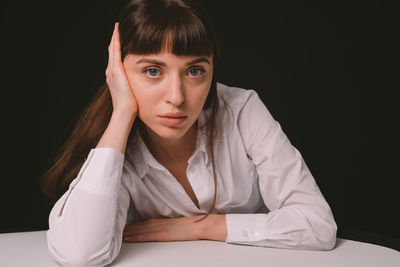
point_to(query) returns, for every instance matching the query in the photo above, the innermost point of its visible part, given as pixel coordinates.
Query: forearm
(292, 226)
(116, 134)
(177, 229)
(85, 228)
(94, 213)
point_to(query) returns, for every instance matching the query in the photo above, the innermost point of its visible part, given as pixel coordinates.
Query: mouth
(172, 120)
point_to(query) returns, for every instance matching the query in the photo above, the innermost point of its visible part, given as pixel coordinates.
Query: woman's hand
(177, 229)
(122, 95)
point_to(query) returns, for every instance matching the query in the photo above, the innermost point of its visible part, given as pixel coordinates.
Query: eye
(152, 72)
(196, 71)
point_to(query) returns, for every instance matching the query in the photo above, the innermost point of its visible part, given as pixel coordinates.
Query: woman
(163, 144)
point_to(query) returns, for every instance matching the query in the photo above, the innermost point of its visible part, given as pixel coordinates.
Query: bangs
(173, 28)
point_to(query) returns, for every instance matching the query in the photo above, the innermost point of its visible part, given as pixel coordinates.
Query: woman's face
(170, 90)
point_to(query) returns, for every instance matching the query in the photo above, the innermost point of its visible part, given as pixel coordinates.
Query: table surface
(30, 249)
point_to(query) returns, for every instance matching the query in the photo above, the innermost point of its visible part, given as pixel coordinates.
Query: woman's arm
(86, 223)
(299, 216)
(177, 229)
(125, 107)
(89, 230)
(116, 134)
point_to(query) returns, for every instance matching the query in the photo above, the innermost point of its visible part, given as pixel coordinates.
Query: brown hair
(145, 26)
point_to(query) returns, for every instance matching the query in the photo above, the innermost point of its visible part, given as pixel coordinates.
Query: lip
(172, 119)
(174, 115)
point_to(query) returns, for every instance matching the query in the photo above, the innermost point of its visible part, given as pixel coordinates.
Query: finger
(134, 238)
(146, 229)
(110, 51)
(146, 237)
(140, 229)
(150, 225)
(117, 46)
(153, 224)
(151, 221)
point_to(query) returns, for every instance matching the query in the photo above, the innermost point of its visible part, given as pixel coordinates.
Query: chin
(170, 132)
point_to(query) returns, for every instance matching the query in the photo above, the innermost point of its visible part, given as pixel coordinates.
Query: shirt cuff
(245, 227)
(101, 172)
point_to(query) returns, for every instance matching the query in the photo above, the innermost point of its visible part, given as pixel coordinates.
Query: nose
(175, 94)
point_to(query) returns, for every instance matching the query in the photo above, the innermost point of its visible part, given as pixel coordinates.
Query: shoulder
(244, 110)
(238, 102)
(235, 97)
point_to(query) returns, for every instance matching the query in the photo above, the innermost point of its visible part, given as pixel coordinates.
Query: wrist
(117, 132)
(127, 115)
(213, 227)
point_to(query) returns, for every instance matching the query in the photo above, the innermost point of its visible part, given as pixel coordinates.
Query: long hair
(145, 26)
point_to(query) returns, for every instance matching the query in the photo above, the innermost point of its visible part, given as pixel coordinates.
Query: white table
(29, 249)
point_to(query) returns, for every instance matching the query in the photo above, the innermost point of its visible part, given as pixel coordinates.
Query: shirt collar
(143, 159)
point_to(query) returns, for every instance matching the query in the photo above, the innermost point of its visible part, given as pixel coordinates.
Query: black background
(325, 70)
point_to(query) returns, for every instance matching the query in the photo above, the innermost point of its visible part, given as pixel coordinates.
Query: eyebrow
(160, 63)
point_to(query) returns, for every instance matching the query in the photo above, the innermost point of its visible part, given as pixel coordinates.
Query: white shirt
(268, 194)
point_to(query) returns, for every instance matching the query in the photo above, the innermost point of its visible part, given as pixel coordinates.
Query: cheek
(147, 96)
(197, 98)
(199, 95)
(138, 88)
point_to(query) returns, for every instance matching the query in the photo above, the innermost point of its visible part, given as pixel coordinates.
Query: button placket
(179, 190)
(190, 170)
(189, 173)
(202, 181)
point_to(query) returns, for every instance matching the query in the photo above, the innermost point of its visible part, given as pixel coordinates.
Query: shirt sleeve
(89, 230)
(299, 216)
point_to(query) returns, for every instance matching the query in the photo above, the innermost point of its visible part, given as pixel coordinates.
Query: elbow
(325, 238)
(74, 255)
(77, 262)
(331, 241)
(85, 261)
(73, 259)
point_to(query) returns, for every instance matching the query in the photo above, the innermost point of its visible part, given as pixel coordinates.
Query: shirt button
(256, 234)
(245, 233)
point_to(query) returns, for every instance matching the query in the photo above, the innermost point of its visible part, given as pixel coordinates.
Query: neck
(170, 150)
